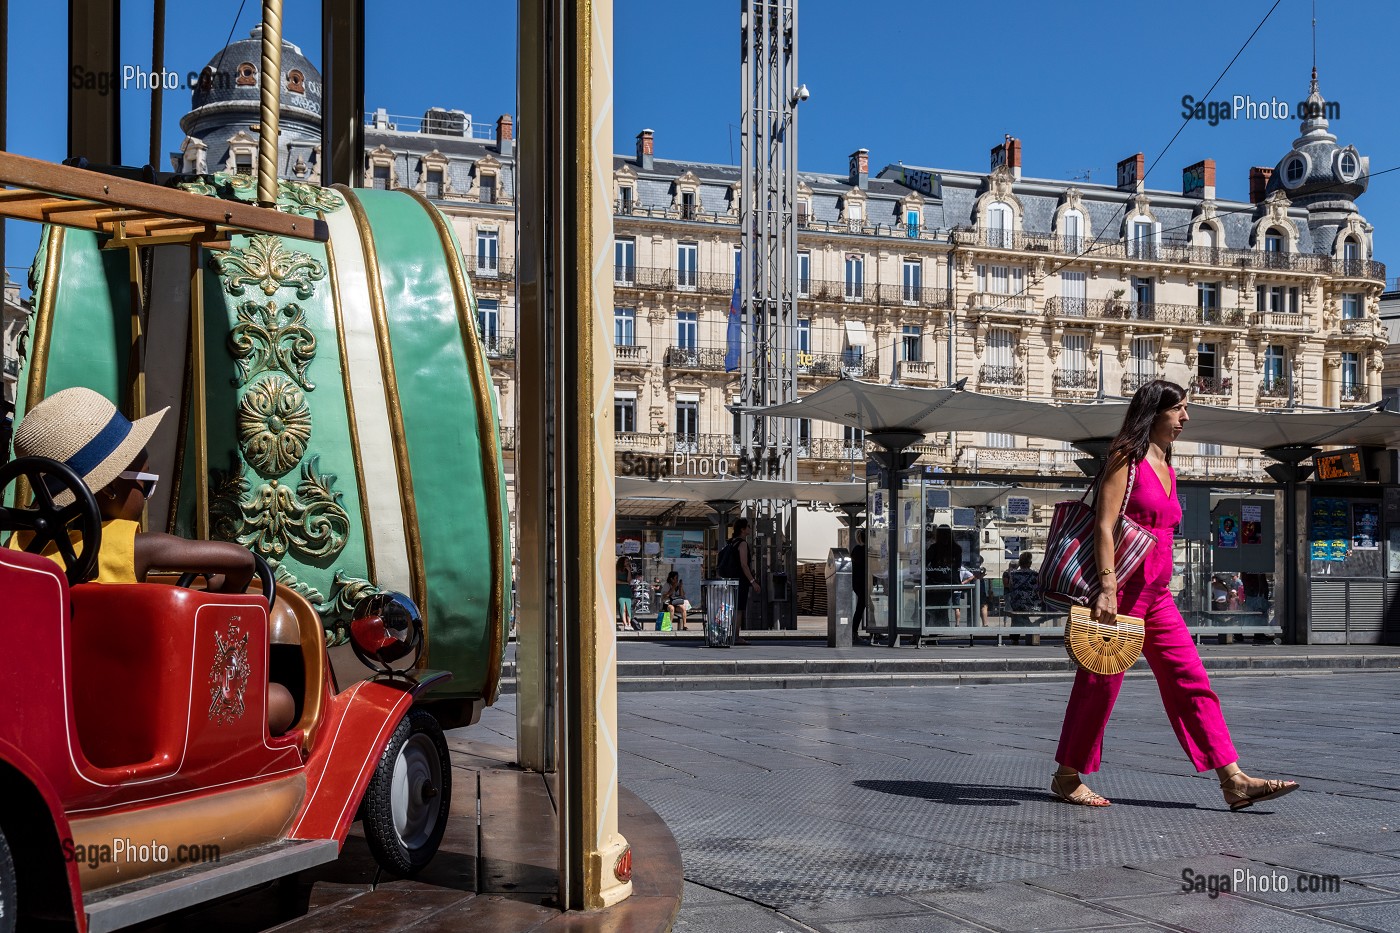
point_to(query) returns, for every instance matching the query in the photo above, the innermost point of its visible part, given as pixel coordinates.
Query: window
(853, 358)
(1001, 280)
(487, 247)
(1073, 232)
(687, 424)
(687, 329)
(913, 281)
(853, 439)
(1142, 299)
(999, 225)
(1273, 299)
(804, 335)
(1001, 346)
(1074, 349)
(624, 199)
(381, 173)
(1390, 396)
(1001, 441)
(1144, 360)
(689, 209)
(1351, 307)
(1141, 245)
(1294, 171)
(804, 437)
(687, 261)
(488, 321)
(804, 274)
(625, 412)
(1276, 370)
(1273, 250)
(434, 183)
(1206, 366)
(737, 425)
(1347, 166)
(1208, 450)
(804, 212)
(911, 343)
(855, 213)
(855, 277)
(1208, 300)
(1072, 293)
(624, 261)
(625, 327)
(911, 224)
(1351, 369)
(487, 194)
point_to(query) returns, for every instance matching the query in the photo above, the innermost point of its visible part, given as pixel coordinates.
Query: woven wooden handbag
(1103, 649)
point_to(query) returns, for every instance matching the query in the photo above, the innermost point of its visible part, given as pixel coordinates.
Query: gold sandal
(1239, 798)
(1081, 795)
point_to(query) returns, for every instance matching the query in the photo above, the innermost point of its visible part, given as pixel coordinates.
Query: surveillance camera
(801, 94)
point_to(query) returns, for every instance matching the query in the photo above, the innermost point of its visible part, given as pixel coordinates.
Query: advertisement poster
(1365, 525)
(1338, 550)
(671, 544)
(1321, 550)
(1393, 554)
(1227, 533)
(693, 545)
(629, 546)
(1251, 524)
(1018, 508)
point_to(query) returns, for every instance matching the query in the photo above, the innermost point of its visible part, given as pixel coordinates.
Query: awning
(737, 490)
(855, 333)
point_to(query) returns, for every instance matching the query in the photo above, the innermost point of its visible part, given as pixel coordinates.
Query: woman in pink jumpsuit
(1143, 447)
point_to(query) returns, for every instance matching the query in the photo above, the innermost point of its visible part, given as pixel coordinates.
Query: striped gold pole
(270, 86)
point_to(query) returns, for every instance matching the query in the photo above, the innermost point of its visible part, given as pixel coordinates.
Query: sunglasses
(147, 481)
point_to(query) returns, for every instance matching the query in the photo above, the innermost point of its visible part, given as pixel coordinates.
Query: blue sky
(1082, 83)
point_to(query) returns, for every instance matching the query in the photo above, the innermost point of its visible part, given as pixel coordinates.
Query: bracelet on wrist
(1106, 572)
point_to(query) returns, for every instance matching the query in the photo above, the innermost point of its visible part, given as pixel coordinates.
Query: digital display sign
(1341, 465)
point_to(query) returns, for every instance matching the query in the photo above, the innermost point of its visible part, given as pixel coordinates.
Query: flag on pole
(735, 338)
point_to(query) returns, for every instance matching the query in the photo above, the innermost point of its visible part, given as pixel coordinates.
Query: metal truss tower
(768, 271)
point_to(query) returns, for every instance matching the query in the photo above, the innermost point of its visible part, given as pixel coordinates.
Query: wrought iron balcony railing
(1354, 392)
(482, 269)
(1134, 381)
(702, 358)
(1002, 376)
(1125, 309)
(498, 347)
(1211, 385)
(1076, 379)
(1273, 387)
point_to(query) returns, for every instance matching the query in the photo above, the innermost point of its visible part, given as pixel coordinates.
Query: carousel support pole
(269, 102)
(158, 69)
(198, 394)
(895, 461)
(94, 114)
(343, 97)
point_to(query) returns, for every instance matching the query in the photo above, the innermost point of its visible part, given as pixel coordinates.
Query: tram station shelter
(1312, 557)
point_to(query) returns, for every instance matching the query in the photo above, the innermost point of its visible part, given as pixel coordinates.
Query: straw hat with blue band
(79, 427)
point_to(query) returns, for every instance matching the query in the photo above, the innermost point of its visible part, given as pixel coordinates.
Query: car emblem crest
(228, 677)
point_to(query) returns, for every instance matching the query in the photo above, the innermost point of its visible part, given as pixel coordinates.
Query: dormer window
(381, 177)
(999, 225)
(624, 199)
(804, 212)
(690, 209)
(1273, 242)
(488, 188)
(243, 163)
(247, 75)
(1295, 170)
(296, 82)
(1347, 165)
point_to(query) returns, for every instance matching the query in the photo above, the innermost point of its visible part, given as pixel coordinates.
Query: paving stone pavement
(927, 808)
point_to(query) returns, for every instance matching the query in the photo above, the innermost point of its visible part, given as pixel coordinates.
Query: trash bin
(720, 596)
(780, 614)
(840, 598)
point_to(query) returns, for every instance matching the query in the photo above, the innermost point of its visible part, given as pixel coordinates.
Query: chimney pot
(1259, 182)
(1132, 172)
(646, 143)
(1008, 153)
(505, 134)
(1198, 181)
(860, 168)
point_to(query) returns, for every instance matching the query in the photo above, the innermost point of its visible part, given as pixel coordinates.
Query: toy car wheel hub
(416, 801)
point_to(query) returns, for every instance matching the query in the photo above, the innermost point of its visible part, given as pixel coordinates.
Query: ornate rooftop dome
(1317, 173)
(230, 80)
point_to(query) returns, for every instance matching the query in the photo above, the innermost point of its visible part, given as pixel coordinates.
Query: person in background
(1022, 586)
(858, 582)
(942, 565)
(624, 594)
(748, 579)
(674, 598)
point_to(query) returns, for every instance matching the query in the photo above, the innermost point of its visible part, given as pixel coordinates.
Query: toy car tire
(409, 798)
(8, 913)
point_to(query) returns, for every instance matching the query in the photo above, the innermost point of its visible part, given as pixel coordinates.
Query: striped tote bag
(1069, 574)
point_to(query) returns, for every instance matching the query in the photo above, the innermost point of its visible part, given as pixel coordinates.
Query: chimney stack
(645, 149)
(1258, 183)
(1008, 153)
(1131, 173)
(505, 135)
(860, 168)
(1198, 181)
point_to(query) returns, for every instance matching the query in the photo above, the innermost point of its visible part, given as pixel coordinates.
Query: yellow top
(116, 562)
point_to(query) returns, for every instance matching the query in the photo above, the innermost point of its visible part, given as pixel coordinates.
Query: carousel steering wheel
(51, 523)
(261, 567)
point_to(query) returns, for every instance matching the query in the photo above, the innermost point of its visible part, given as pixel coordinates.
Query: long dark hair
(1148, 402)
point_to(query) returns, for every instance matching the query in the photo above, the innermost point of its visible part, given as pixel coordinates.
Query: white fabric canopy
(737, 490)
(855, 333)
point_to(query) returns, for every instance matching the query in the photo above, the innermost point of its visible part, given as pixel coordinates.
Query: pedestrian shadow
(983, 795)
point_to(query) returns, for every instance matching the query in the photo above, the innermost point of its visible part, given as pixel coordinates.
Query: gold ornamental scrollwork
(274, 425)
(229, 675)
(266, 263)
(275, 520)
(268, 338)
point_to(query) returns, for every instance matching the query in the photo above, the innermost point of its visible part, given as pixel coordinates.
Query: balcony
(1125, 309)
(657, 443)
(1273, 388)
(484, 270)
(1215, 466)
(1075, 382)
(643, 277)
(1280, 321)
(999, 302)
(916, 372)
(508, 438)
(1353, 393)
(1019, 459)
(1213, 386)
(1361, 326)
(1001, 377)
(705, 359)
(837, 366)
(1134, 381)
(498, 347)
(836, 448)
(633, 353)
